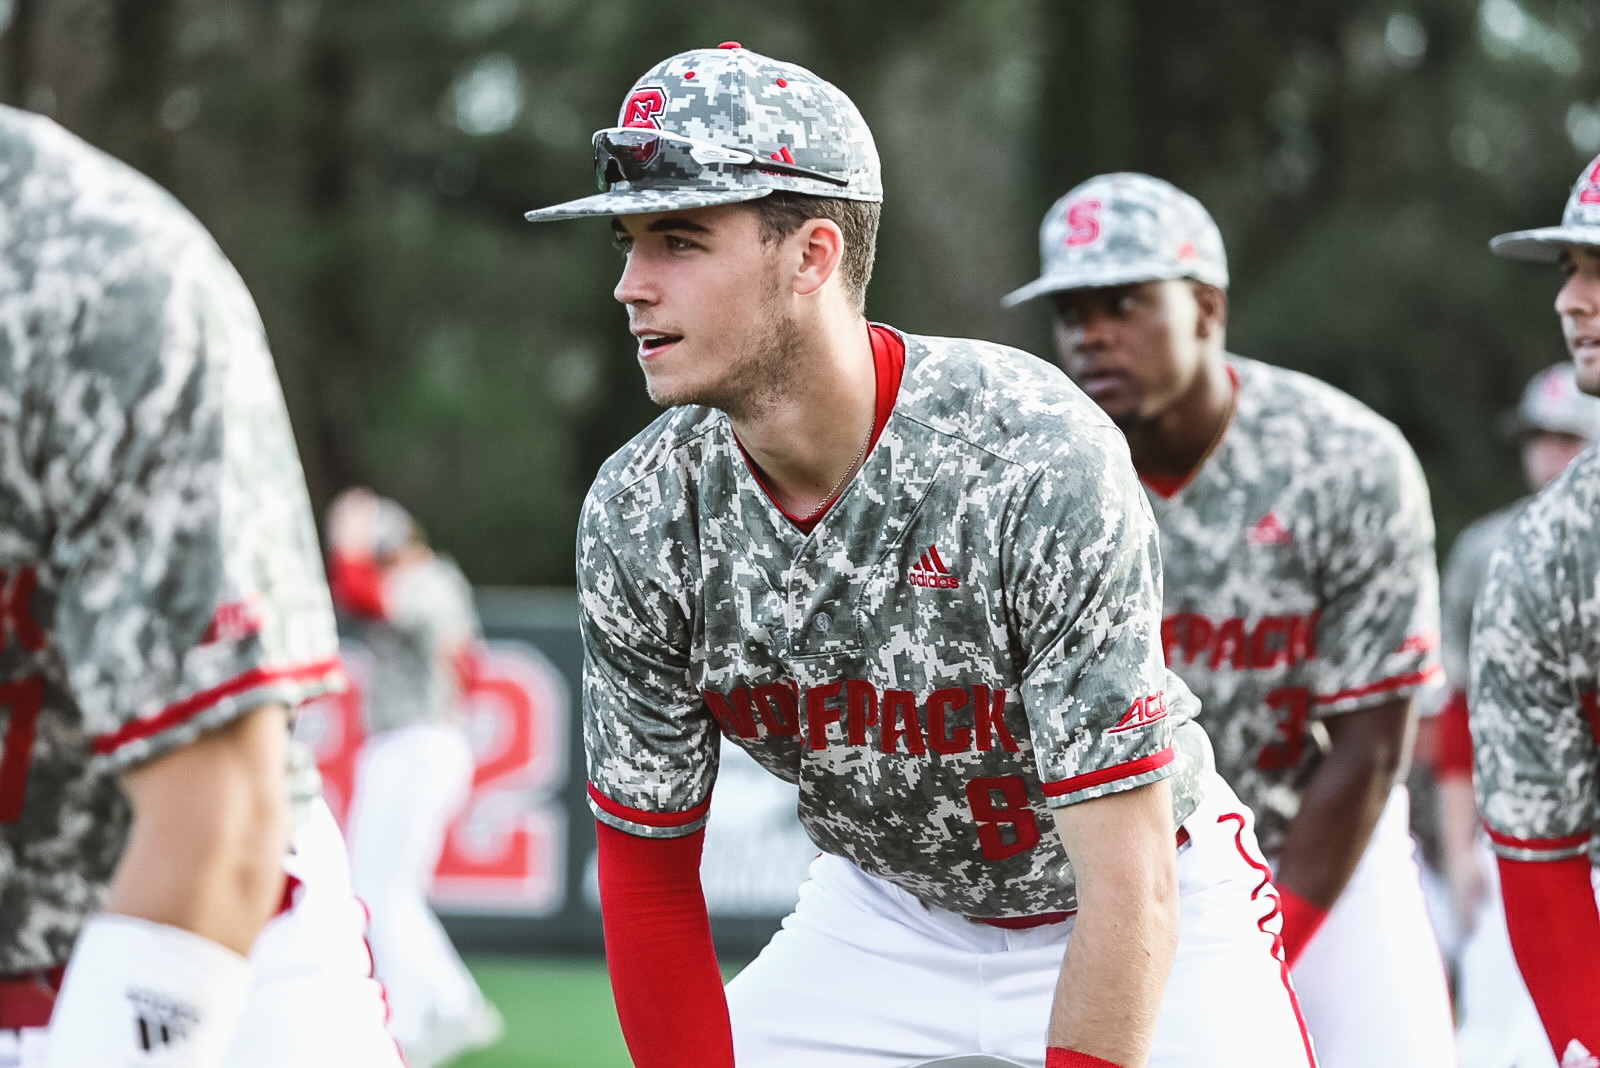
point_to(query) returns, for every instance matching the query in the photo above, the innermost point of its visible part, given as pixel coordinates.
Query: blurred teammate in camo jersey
(414, 609)
(1534, 699)
(162, 613)
(1301, 597)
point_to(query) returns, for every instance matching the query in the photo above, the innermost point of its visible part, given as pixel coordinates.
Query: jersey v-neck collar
(889, 365)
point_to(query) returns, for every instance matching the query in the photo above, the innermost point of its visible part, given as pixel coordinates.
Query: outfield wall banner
(517, 874)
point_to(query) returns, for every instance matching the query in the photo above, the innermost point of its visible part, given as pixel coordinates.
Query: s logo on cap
(1083, 223)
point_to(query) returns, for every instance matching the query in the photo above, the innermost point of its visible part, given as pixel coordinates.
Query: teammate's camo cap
(725, 125)
(1580, 224)
(1552, 402)
(1117, 229)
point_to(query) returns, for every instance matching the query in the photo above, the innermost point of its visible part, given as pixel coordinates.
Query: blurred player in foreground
(414, 773)
(1535, 695)
(1499, 1027)
(1301, 597)
(161, 612)
(915, 575)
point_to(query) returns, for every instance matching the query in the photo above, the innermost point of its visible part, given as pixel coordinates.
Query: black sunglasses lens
(624, 156)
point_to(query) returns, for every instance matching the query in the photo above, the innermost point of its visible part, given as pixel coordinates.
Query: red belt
(1044, 919)
(26, 1000)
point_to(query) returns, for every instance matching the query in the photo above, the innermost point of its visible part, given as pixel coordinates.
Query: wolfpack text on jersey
(968, 637)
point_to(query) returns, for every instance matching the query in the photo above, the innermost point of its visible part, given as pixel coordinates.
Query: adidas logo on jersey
(930, 571)
(1270, 531)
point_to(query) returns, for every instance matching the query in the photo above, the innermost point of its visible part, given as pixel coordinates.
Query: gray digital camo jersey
(1300, 581)
(429, 623)
(1459, 583)
(968, 637)
(1535, 699)
(159, 571)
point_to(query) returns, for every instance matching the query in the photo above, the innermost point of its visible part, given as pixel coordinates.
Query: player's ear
(1212, 303)
(820, 244)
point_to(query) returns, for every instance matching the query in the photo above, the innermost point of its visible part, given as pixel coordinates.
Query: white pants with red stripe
(1372, 980)
(863, 975)
(312, 1002)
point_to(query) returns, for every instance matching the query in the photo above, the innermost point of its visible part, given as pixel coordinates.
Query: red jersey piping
(649, 819)
(1538, 845)
(1399, 682)
(189, 707)
(1112, 774)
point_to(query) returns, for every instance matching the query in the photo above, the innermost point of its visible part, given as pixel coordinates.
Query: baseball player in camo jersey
(917, 577)
(1301, 601)
(413, 609)
(1535, 691)
(161, 611)
(1498, 1024)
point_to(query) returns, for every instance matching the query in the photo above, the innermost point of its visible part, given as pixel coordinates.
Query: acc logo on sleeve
(1143, 712)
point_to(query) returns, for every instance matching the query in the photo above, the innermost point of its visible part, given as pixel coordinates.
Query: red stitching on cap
(730, 44)
(688, 75)
(783, 83)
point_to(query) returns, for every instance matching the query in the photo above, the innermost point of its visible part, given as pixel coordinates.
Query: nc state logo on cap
(1591, 195)
(642, 107)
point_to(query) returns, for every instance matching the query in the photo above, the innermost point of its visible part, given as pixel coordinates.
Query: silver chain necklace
(833, 493)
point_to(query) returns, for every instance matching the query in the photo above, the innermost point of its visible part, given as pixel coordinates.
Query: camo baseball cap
(1580, 224)
(735, 126)
(1116, 229)
(1552, 401)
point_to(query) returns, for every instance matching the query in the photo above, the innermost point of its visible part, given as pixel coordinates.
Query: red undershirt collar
(889, 365)
(1167, 486)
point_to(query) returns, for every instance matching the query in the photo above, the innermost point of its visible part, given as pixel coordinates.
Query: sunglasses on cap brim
(635, 154)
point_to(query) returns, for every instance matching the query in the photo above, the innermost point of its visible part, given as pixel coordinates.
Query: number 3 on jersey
(1006, 827)
(21, 701)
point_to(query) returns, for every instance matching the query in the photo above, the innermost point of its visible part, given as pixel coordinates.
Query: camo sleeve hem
(647, 824)
(182, 721)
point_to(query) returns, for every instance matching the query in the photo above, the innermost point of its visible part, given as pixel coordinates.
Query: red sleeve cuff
(1056, 1057)
(1301, 921)
(1453, 757)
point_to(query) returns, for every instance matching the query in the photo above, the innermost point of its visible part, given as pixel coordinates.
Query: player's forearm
(1338, 810)
(1555, 932)
(210, 828)
(1116, 967)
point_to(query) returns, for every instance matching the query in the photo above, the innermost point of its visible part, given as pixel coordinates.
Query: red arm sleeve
(1555, 931)
(663, 965)
(356, 583)
(1453, 755)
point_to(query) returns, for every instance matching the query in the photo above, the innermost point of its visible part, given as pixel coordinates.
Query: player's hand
(352, 521)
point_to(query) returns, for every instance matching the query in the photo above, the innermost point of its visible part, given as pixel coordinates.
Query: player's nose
(1579, 298)
(634, 287)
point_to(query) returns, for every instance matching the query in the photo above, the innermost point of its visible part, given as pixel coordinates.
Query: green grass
(559, 1014)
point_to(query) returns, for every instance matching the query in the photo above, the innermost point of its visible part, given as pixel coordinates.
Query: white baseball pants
(863, 975)
(1372, 980)
(410, 783)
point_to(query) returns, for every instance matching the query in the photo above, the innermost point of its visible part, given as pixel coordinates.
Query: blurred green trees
(366, 164)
